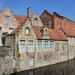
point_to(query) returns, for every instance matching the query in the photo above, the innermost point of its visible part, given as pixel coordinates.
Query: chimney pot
(29, 11)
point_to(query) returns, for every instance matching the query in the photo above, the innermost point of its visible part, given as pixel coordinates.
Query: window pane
(27, 31)
(31, 62)
(30, 45)
(6, 19)
(36, 21)
(22, 46)
(39, 45)
(57, 47)
(46, 43)
(51, 45)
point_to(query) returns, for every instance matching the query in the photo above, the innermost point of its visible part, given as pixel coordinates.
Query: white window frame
(39, 45)
(46, 44)
(31, 62)
(51, 45)
(49, 24)
(35, 21)
(6, 19)
(27, 31)
(30, 45)
(22, 46)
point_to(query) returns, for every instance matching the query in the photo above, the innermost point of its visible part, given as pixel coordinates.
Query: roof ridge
(20, 15)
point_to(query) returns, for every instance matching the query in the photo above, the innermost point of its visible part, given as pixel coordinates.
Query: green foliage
(14, 70)
(4, 73)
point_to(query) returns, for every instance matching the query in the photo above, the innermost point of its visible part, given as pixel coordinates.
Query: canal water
(63, 68)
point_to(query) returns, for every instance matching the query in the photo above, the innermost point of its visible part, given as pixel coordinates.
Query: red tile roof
(53, 33)
(20, 19)
(69, 29)
(38, 32)
(56, 35)
(68, 25)
(16, 30)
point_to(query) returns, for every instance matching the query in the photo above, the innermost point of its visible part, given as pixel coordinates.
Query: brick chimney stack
(29, 11)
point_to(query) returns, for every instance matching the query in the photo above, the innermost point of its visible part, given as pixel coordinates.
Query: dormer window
(27, 31)
(49, 24)
(45, 31)
(6, 19)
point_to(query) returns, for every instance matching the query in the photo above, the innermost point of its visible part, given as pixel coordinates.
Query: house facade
(64, 25)
(37, 45)
(8, 22)
(39, 41)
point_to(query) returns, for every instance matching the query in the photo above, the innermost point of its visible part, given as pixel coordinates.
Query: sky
(19, 7)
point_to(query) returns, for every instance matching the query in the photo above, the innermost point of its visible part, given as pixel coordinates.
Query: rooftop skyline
(63, 7)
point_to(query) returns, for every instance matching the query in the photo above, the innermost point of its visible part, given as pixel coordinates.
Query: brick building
(40, 41)
(62, 24)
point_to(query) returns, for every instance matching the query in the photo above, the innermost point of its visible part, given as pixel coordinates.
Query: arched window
(27, 31)
(36, 21)
(45, 31)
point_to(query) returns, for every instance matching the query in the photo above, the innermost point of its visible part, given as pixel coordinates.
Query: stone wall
(6, 60)
(63, 68)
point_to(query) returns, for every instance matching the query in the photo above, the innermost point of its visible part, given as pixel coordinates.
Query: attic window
(45, 31)
(36, 21)
(27, 31)
(49, 24)
(6, 19)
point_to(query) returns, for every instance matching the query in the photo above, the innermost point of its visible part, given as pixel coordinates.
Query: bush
(4, 73)
(14, 70)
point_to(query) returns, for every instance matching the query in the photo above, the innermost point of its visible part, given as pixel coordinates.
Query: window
(14, 62)
(6, 19)
(51, 45)
(57, 47)
(22, 46)
(73, 39)
(1, 44)
(49, 24)
(63, 47)
(39, 44)
(46, 43)
(27, 31)
(30, 45)
(10, 30)
(45, 31)
(35, 21)
(31, 61)
(0, 29)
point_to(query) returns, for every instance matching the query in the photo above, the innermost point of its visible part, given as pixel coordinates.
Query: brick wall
(6, 60)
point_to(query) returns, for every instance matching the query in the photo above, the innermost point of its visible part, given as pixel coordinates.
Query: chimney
(29, 11)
